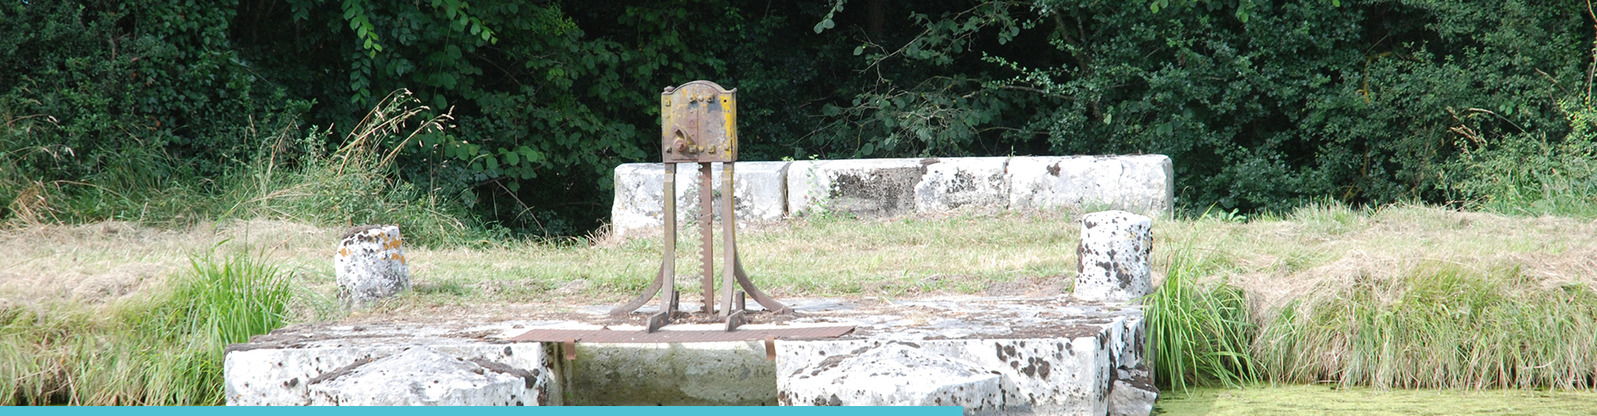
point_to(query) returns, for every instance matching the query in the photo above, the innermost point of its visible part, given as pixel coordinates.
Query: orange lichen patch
(343, 252)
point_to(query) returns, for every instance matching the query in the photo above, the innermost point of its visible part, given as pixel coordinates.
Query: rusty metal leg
(728, 238)
(707, 235)
(667, 276)
(669, 262)
(663, 318)
(648, 293)
(748, 286)
(738, 316)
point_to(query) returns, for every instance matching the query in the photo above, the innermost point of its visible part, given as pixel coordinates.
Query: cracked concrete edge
(779, 190)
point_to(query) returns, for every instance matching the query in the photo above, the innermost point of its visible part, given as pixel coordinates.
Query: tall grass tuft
(1198, 335)
(359, 182)
(165, 350)
(1438, 326)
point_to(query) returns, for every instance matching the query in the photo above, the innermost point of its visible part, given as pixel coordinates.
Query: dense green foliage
(149, 109)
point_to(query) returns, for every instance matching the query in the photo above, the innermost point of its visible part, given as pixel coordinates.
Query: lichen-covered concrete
(1114, 259)
(759, 194)
(420, 376)
(1055, 355)
(963, 182)
(876, 375)
(370, 265)
(771, 191)
(875, 188)
(1144, 183)
(278, 369)
(1051, 358)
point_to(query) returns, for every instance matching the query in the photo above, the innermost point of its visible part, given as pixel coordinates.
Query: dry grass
(1273, 259)
(1279, 259)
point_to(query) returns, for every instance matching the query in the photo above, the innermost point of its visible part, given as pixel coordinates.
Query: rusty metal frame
(699, 125)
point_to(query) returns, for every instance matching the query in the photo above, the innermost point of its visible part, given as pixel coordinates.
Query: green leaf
(859, 50)
(493, 163)
(532, 155)
(825, 24)
(511, 158)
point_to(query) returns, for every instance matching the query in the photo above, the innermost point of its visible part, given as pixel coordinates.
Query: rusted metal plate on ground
(609, 336)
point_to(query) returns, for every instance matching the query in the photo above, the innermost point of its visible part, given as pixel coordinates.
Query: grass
(165, 349)
(1294, 400)
(1322, 294)
(1198, 335)
(1402, 296)
(1439, 326)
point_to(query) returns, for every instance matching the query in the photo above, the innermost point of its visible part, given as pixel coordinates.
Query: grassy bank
(163, 349)
(1405, 297)
(1402, 296)
(1291, 400)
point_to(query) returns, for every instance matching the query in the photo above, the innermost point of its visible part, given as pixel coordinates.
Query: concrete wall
(767, 192)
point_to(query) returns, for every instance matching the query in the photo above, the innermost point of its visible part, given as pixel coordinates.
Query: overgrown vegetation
(1198, 335)
(506, 118)
(1455, 318)
(1438, 326)
(165, 349)
(142, 110)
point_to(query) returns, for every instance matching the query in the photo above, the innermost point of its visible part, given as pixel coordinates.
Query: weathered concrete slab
(1053, 355)
(875, 188)
(1143, 184)
(772, 191)
(420, 376)
(1067, 368)
(1114, 260)
(895, 373)
(277, 369)
(759, 189)
(965, 182)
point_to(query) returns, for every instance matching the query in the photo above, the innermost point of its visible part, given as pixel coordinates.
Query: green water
(1325, 400)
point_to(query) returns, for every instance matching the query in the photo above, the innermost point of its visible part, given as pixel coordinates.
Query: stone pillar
(1114, 257)
(370, 265)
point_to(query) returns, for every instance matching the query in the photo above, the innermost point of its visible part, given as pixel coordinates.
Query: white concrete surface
(759, 192)
(1114, 257)
(967, 182)
(420, 376)
(370, 265)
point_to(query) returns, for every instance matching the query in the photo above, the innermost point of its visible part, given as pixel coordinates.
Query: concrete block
(1132, 393)
(1069, 375)
(1114, 257)
(897, 373)
(277, 369)
(420, 376)
(759, 195)
(686, 374)
(1144, 184)
(865, 187)
(370, 265)
(969, 182)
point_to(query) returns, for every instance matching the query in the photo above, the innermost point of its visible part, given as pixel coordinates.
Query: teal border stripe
(484, 411)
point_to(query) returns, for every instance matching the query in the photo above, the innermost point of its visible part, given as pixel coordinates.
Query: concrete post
(1114, 257)
(370, 265)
